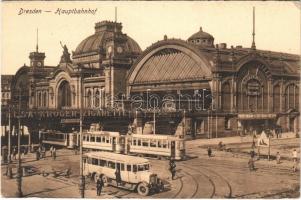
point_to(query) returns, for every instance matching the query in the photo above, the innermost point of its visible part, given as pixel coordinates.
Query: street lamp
(19, 170)
(82, 178)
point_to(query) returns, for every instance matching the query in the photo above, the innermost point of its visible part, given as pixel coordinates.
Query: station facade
(211, 89)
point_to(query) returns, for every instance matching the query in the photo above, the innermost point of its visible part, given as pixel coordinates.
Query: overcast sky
(277, 25)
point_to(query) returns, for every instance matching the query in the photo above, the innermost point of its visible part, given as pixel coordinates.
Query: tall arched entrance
(64, 95)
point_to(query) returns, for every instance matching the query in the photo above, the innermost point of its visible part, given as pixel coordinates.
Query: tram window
(140, 168)
(84, 138)
(92, 139)
(164, 144)
(102, 163)
(89, 160)
(159, 143)
(145, 143)
(111, 164)
(103, 139)
(146, 167)
(98, 139)
(134, 168)
(134, 142)
(107, 140)
(129, 168)
(153, 143)
(85, 160)
(122, 167)
(94, 161)
(139, 142)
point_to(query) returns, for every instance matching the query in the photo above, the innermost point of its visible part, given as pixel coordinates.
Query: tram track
(211, 180)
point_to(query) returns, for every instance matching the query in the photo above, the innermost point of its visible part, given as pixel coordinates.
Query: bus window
(134, 142)
(122, 167)
(107, 140)
(129, 168)
(102, 163)
(84, 138)
(146, 167)
(153, 143)
(139, 142)
(145, 143)
(164, 144)
(97, 139)
(103, 139)
(94, 161)
(92, 139)
(89, 160)
(134, 168)
(111, 165)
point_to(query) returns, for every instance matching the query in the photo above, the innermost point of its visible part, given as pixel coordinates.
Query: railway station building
(210, 89)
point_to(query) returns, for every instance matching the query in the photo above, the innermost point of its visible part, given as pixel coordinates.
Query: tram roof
(118, 157)
(152, 136)
(103, 133)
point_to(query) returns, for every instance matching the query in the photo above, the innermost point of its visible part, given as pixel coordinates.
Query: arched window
(44, 99)
(89, 99)
(290, 99)
(276, 98)
(39, 99)
(97, 98)
(64, 95)
(226, 96)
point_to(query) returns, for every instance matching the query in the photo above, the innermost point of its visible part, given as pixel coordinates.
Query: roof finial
(37, 46)
(253, 34)
(201, 29)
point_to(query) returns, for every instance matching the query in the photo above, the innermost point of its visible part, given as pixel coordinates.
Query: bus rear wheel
(143, 189)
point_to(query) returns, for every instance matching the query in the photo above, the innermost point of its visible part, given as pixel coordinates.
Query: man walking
(172, 169)
(209, 151)
(99, 185)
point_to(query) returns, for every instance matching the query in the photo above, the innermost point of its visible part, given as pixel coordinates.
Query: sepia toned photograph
(150, 100)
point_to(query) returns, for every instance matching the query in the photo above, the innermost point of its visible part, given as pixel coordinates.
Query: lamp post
(82, 178)
(19, 169)
(9, 172)
(203, 90)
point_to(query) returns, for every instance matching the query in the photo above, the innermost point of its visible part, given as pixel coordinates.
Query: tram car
(103, 141)
(156, 145)
(56, 138)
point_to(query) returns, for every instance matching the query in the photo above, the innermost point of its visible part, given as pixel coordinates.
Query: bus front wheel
(143, 189)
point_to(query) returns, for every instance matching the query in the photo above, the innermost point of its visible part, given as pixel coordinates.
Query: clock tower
(37, 59)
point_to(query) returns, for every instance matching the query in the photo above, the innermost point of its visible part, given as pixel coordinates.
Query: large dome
(104, 30)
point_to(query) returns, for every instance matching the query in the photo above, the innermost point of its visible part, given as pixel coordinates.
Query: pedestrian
(15, 153)
(54, 153)
(209, 152)
(251, 164)
(252, 154)
(118, 177)
(172, 169)
(38, 155)
(99, 185)
(295, 159)
(51, 150)
(278, 158)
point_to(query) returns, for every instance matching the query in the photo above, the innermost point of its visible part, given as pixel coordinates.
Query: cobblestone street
(226, 174)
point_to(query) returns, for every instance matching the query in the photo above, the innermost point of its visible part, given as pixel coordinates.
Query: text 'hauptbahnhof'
(212, 89)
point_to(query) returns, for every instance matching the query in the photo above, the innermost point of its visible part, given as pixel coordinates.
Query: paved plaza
(225, 174)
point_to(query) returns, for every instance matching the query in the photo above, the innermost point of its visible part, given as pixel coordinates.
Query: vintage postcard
(160, 99)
